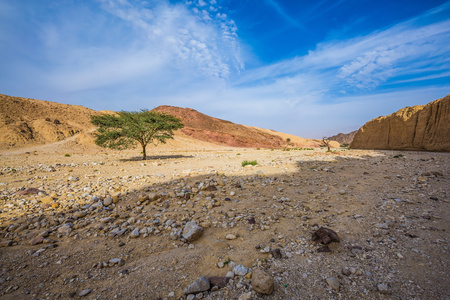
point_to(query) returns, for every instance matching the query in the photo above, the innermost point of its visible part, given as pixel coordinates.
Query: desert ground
(107, 225)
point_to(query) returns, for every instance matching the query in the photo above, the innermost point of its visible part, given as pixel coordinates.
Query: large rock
(200, 285)
(262, 282)
(192, 232)
(421, 127)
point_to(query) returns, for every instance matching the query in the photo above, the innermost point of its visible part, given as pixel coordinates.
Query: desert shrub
(398, 156)
(238, 154)
(67, 155)
(246, 163)
(345, 145)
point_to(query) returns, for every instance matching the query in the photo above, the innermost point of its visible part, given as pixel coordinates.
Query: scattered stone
(47, 199)
(324, 249)
(108, 201)
(240, 270)
(346, 271)
(246, 296)
(30, 191)
(65, 229)
(333, 282)
(221, 282)
(262, 282)
(6, 243)
(116, 261)
(37, 240)
(325, 236)
(84, 292)
(200, 285)
(192, 232)
(383, 288)
(276, 253)
(135, 233)
(80, 214)
(231, 236)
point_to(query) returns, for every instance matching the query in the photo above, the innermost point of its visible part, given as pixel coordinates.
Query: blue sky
(309, 68)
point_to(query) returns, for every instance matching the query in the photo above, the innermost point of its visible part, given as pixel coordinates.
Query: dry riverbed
(110, 226)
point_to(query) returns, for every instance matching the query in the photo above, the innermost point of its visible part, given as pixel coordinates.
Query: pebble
(383, 288)
(65, 229)
(107, 201)
(230, 274)
(84, 292)
(262, 282)
(346, 271)
(246, 296)
(135, 233)
(240, 270)
(333, 282)
(231, 236)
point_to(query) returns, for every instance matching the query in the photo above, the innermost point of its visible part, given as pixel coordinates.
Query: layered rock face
(343, 138)
(421, 127)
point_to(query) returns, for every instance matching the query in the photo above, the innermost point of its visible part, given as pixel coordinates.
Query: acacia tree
(128, 129)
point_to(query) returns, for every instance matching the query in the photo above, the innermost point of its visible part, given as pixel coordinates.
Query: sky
(308, 68)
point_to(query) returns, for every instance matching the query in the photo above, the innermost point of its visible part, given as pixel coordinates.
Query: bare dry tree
(326, 143)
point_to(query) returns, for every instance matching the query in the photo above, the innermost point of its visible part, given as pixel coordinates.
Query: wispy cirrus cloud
(190, 54)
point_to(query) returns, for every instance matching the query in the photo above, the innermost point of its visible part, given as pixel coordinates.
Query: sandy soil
(390, 209)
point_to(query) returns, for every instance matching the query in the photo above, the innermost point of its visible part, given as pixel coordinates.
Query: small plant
(246, 163)
(238, 154)
(258, 148)
(345, 145)
(67, 155)
(398, 156)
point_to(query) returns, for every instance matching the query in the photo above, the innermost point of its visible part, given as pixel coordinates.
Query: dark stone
(276, 253)
(56, 121)
(211, 188)
(251, 221)
(30, 191)
(325, 236)
(434, 198)
(37, 240)
(218, 281)
(324, 249)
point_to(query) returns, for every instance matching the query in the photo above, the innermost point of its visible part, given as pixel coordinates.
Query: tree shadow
(156, 157)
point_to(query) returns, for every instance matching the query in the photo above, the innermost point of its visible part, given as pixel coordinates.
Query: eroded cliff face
(421, 127)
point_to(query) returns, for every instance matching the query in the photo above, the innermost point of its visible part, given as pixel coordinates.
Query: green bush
(67, 155)
(246, 162)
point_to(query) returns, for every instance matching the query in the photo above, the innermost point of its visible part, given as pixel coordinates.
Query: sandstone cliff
(421, 127)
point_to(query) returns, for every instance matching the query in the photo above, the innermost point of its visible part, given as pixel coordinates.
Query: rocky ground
(198, 225)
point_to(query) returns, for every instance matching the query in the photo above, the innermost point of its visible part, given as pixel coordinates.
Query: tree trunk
(144, 153)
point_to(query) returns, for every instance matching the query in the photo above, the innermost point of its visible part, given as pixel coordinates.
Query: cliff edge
(421, 127)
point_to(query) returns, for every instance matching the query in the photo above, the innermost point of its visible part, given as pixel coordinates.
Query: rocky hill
(221, 132)
(343, 138)
(421, 127)
(27, 122)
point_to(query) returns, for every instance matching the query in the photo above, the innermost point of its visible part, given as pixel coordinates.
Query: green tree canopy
(128, 129)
